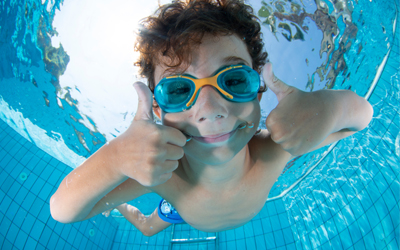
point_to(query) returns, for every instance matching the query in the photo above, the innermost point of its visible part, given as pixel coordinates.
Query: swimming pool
(350, 199)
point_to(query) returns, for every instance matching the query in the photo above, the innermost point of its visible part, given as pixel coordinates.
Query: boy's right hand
(148, 152)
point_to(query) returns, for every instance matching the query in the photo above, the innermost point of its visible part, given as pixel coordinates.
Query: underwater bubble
(23, 176)
(91, 232)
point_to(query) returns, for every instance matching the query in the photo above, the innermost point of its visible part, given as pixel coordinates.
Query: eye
(235, 82)
(178, 89)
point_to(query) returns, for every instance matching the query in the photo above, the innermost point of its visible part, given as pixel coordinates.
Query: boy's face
(213, 121)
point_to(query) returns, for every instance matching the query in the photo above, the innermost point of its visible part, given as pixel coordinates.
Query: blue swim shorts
(168, 213)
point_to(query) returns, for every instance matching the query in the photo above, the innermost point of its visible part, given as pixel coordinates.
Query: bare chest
(224, 208)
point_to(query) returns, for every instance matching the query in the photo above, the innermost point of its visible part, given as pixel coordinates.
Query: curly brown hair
(177, 28)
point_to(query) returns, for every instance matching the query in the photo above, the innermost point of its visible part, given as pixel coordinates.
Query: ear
(156, 109)
(259, 96)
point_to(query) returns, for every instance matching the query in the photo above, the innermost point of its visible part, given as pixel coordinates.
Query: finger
(280, 88)
(145, 105)
(170, 166)
(174, 136)
(174, 152)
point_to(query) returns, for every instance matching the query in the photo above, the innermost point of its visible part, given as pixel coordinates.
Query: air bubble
(23, 176)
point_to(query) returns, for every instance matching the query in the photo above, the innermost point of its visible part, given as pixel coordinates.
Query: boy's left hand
(301, 120)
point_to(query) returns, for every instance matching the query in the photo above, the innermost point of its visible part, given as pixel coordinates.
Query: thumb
(145, 105)
(280, 88)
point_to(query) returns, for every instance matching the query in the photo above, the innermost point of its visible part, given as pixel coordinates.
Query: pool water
(350, 199)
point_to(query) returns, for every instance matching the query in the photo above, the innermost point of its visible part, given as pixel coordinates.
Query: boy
(207, 159)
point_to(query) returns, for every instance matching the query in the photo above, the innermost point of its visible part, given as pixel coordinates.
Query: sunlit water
(67, 69)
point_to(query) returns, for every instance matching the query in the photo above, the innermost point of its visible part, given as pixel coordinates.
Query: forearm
(149, 226)
(85, 186)
(355, 112)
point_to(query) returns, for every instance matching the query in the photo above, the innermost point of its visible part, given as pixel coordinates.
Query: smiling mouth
(215, 138)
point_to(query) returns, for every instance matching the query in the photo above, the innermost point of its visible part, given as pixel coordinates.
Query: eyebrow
(227, 61)
(235, 59)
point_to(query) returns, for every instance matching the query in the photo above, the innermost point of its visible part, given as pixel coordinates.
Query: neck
(216, 175)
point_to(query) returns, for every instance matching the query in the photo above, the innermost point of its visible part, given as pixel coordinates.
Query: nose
(210, 105)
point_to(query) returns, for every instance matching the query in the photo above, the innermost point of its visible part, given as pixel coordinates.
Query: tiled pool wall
(350, 200)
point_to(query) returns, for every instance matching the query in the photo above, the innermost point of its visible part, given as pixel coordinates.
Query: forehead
(213, 53)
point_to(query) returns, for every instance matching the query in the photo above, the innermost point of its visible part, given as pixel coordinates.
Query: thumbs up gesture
(148, 152)
(301, 120)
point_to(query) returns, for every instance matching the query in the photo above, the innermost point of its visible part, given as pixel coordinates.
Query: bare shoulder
(265, 152)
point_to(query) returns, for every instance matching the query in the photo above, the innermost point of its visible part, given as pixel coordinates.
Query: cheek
(174, 120)
(250, 111)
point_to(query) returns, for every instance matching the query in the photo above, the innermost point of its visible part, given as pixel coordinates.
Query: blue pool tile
(7, 244)
(275, 222)
(32, 162)
(16, 171)
(65, 231)
(364, 225)
(28, 223)
(380, 182)
(44, 214)
(346, 239)
(52, 243)
(314, 239)
(378, 233)
(28, 201)
(60, 244)
(37, 230)
(31, 244)
(28, 183)
(58, 228)
(4, 226)
(279, 239)
(239, 233)
(7, 183)
(12, 210)
(25, 158)
(323, 234)
(46, 173)
(14, 189)
(270, 240)
(381, 208)
(5, 203)
(39, 167)
(250, 243)
(54, 177)
(260, 242)
(248, 230)
(46, 191)
(355, 232)
(288, 235)
(37, 186)
(359, 245)
(12, 233)
(19, 198)
(20, 217)
(20, 240)
(267, 228)
(257, 226)
(339, 222)
(348, 214)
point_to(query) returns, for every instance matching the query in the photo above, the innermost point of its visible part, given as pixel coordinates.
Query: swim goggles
(236, 83)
